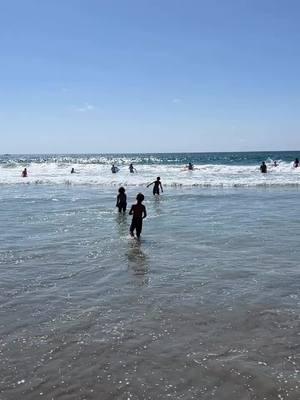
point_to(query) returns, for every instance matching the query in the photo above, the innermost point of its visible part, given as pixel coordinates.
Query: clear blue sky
(149, 75)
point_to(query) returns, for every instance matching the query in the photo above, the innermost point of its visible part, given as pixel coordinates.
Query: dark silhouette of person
(72, 171)
(157, 185)
(263, 168)
(138, 212)
(132, 169)
(121, 200)
(296, 163)
(190, 166)
(24, 173)
(114, 169)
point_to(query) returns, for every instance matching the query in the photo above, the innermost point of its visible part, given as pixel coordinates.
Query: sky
(95, 76)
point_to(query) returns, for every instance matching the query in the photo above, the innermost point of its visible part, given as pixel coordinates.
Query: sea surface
(211, 169)
(205, 306)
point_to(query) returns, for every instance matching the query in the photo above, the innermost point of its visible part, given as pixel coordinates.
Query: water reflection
(122, 224)
(138, 261)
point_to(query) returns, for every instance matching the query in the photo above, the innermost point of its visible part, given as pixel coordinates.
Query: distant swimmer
(157, 185)
(72, 171)
(296, 163)
(132, 170)
(114, 169)
(263, 168)
(24, 173)
(138, 212)
(190, 167)
(121, 200)
(275, 163)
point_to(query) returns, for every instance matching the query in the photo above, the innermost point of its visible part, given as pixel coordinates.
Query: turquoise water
(205, 306)
(236, 158)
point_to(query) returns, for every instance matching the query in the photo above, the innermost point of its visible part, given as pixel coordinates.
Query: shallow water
(205, 306)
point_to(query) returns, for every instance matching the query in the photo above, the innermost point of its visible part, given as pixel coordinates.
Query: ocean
(205, 306)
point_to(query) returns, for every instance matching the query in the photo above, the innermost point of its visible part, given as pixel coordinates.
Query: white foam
(214, 175)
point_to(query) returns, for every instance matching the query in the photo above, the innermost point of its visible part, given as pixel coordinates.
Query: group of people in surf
(189, 167)
(138, 210)
(263, 168)
(115, 169)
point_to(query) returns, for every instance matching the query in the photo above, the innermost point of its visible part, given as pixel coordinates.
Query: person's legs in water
(138, 227)
(132, 227)
(122, 207)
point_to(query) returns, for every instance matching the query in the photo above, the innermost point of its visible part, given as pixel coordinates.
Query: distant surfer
(132, 170)
(72, 171)
(114, 169)
(157, 185)
(190, 166)
(296, 163)
(275, 163)
(263, 168)
(121, 200)
(138, 212)
(24, 173)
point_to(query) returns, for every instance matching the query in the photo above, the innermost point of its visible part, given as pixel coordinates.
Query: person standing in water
(296, 163)
(263, 168)
(72, 171)
(24, 173)
(114, 169)
(132, 170)
(121, 200)
(157, 184)
(138, 212)
(190, 166)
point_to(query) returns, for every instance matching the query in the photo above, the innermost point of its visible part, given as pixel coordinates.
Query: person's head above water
(121, 190)
(140, 197)
(158, 178)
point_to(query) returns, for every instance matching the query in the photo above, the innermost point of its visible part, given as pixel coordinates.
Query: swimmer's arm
(150, 183)
(161, 187)
(145, 212)
(131, 211)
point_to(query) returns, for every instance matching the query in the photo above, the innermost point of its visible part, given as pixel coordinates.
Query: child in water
(157, 185)
(138, 211)
(121, 200)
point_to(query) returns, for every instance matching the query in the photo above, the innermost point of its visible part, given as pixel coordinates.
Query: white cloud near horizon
(85, 108)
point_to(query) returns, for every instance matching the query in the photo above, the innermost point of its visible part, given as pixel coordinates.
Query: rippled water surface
(205, 306)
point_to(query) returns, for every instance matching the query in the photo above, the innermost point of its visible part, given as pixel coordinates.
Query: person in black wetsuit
(190, 166)
(24, 173)
(138, 211)
(132, 169)
(72, 171)
(157, 184)
(296, 163)
(121, 200)
(263, 168)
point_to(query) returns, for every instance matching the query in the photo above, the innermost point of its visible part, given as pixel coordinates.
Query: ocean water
(211, 169)
(205, 306)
